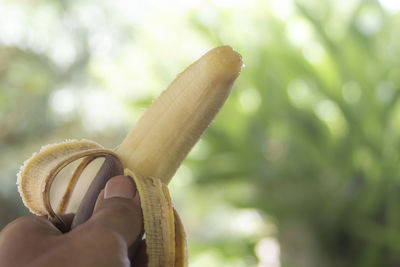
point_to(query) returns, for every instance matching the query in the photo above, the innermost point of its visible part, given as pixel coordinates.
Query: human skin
(103, 241)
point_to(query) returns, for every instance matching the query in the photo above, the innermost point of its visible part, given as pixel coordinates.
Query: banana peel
(150, 155)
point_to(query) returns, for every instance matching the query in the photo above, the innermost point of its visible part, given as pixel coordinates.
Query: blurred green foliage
(303, 157)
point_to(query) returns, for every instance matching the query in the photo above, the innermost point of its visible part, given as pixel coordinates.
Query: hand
(109, 238)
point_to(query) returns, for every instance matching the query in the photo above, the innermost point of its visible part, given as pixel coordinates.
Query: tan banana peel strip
(159, 219)
(38, 172)
(178, 117)
(181, 249)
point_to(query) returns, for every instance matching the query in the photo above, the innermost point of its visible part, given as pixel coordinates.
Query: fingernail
(120, 186)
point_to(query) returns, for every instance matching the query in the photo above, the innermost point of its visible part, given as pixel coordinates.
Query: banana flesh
(150, 154)
(178, 117)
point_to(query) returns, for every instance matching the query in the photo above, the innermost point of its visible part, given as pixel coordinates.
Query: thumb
(118, 209)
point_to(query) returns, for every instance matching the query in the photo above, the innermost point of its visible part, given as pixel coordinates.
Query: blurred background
(301, 166)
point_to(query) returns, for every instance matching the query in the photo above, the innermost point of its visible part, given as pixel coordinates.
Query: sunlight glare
(282, 9)
(63, 52)
(62, 101)
(268, 252)
(300, 93)
(100, 111)
(230, 3)
(392, 6)
(299, 32)
(246, 222)
(385, 91)
(314, 52)
(328, 111)
(351, 92)
(250, 100)
(370, 21)
(11, 26)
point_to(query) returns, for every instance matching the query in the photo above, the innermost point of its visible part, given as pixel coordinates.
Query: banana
(175, 121)
(150, 154)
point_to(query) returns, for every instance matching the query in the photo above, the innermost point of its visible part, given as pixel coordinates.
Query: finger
(25, 238)
(38, 224)
(118, 209)
(111, 167)
(32, 224)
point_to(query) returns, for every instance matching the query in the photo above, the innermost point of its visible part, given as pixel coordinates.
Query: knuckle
(123, 207)
(109, 238)
(25, 224)
(23, 220)
(99, 237)
(120, 208)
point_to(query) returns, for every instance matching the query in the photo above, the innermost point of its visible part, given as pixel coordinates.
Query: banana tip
(227, 58)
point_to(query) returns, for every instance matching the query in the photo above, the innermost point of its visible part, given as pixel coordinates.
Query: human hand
(111, 237)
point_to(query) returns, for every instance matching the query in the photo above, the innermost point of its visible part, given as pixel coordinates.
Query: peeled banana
(150, 155)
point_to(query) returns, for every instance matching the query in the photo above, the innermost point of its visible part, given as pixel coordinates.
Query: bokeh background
(301, 166)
